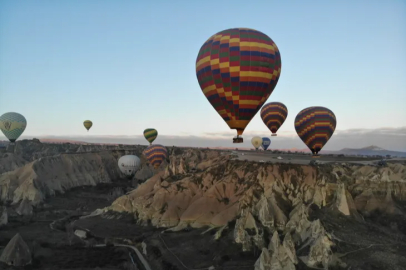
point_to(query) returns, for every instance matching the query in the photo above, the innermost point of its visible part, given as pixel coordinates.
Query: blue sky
(130, 65)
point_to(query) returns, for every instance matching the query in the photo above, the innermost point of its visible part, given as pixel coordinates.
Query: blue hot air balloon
(266, 142)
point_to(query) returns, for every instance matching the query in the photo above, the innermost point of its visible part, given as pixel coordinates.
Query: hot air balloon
(129, 164)
(256, 142)
(88, 124)
(273, 115)
(156, 154)
(12, 125)
(237, 70)
(150, 134)
(315, 126)
(266, 142)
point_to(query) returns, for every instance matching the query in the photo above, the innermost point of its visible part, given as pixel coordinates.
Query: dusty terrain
(203, 209)
(54, 248)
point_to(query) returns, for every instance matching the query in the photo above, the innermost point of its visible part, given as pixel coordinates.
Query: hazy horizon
(390, 139)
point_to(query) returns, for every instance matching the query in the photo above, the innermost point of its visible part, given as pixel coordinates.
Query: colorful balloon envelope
(266, 142)
(256, 142)
(237, 70)
(150, 134)
(156, 154)
(12, 125)
(273, 115)
(88, 124)
(315, 126)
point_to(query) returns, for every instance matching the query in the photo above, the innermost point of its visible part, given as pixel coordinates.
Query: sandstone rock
(81, 234)
(16, 253)
(45, 176)
(3, 216)
(25, 208)
(344, 202)
(203, 188)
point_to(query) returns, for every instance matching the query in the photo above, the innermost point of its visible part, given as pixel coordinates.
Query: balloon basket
(316, 156)
(238, 140)
(273, 134)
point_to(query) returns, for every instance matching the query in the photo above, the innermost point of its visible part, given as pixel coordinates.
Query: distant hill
(372, 150)
(46, 140)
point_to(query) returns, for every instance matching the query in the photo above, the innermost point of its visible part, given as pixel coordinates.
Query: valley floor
(56, 249)
(378, 243)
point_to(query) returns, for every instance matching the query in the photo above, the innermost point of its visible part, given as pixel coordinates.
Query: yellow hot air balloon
(12, 124)
(88, 124)
(256, 142)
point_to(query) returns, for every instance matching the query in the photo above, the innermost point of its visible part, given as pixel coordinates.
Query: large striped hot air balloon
(273, 115)
(88, 124)
(12, 125)
(237, 70)
(156, 154)
(150, 134)
(315, 126)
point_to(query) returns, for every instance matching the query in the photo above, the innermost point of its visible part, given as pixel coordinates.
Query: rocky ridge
(269, 203)
(268, 206)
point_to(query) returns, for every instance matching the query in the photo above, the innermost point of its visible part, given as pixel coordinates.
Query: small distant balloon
(12, 125)
(273, 115)
(150, 134)
(88, 124)
(315, 126)
(129, 164)
(156, 154)
(256, 142)
(266, 142)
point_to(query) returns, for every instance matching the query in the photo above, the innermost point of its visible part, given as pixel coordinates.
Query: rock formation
(45, 176)
(16, 253)
(265, 205)
(25, 208)
(3, 216)
(263, 200)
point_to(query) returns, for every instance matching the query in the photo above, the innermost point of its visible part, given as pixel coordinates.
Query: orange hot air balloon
(237, 70)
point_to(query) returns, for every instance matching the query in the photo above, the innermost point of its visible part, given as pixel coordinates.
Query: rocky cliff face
(36, 170)
(26, 151)
(268, 203)
(48, 175)
(269, 207)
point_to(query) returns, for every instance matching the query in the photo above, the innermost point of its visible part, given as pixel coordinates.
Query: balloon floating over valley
(88, 124)
(156, 154)
(256, 142)
(315, 126)
(237, 70)
(12, 125)
(266, 142)
(129, 164)
(150, 135)
(273, 115)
